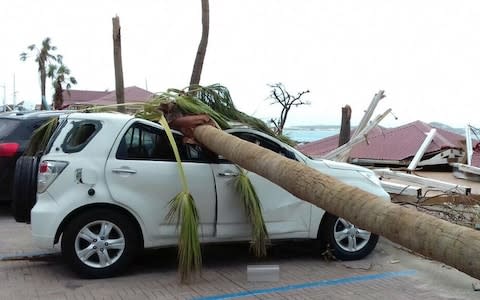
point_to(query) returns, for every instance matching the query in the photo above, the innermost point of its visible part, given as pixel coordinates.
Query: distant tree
(60, 75)
(202, 47)
(280, 95)
(44, 56)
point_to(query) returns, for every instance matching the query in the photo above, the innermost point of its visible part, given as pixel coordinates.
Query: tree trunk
(43, 79)
(202, 47)
(344, 136)
(58, 96)
(117, 59)
(452, 244)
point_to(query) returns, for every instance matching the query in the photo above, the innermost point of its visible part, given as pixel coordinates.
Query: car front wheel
(100, 243)
(347, 241)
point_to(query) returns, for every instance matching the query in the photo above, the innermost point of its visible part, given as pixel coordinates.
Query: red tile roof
(476, 156)
(390, 143)
(132, 94)
(77, 96)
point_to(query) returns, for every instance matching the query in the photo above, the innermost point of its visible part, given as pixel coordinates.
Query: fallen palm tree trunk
(451, 244)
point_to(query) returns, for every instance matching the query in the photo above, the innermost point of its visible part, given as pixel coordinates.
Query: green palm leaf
(252, 205)
(182, 208)
(218, 98)
(40, 137)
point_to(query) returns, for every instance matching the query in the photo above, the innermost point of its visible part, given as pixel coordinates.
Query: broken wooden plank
(429, 182)
(341, 153)
(421, 150)
(368, 113)
(467, 168)
(468, 139)
(464, 171)
(401, 189)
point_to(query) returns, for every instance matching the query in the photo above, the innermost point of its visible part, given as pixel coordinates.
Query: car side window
(142, 142)
(80, 135)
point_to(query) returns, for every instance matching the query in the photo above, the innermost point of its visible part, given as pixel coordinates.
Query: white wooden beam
(421, 150)
(468, 139)
(467, 168)
(401, 189)
(418, 180)
(467, 172)
(341, 153)
(369, 112)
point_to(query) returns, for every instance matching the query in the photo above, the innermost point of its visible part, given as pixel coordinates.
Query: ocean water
(307, 135)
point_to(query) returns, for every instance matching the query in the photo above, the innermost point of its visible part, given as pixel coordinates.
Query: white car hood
(353, 175)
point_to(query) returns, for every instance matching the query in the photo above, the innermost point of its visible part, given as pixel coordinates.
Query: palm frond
(191, 105)
(40, 137)
(183, 209)
(218, 98)
(186, 105)
(252, 205)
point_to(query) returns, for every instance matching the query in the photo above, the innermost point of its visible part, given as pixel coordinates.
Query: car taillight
(48, 171)
(8, 149)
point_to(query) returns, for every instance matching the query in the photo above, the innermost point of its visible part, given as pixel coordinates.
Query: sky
(424, 54)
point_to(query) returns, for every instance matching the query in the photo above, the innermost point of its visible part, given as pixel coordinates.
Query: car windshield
(7, 126)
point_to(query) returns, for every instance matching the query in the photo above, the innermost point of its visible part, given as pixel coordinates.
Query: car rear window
(80, 135)
(7, 126)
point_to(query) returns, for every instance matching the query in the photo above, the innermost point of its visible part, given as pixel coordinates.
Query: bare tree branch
(280, 95)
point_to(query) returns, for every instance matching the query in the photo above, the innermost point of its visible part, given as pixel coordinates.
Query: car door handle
(127, 171)
(228, 174)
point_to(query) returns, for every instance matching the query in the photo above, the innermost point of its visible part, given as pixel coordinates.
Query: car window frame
(62, 123)
(75, 126)
(185, 149)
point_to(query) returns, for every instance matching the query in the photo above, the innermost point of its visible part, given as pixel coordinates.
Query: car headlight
(371, 176)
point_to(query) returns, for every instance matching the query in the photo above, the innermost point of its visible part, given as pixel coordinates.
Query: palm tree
(455, 245)
(43, 56)
(202, 47)
(60, 75)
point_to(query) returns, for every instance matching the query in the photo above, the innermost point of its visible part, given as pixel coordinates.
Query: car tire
(95, 254)
(347, 241)
(24, 188)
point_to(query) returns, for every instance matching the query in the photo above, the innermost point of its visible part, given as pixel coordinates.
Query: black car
(16, 128)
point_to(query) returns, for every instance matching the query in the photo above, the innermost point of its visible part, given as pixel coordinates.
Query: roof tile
(390, 143)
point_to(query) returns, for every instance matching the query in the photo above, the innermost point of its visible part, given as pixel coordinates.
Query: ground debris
(357, 265)
(461, 210)
(394, 261)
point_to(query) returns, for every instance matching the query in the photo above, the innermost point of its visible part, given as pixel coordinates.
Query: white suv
(105, 181)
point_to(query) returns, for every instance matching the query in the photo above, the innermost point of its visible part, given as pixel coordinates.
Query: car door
(142, 174)
(284, 214)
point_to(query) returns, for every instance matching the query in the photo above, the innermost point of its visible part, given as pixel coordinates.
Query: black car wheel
(24, 190)
(100, 243)
(347, 241)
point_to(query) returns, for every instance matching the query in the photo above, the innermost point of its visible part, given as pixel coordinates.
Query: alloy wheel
(99, 244)
(349, 237)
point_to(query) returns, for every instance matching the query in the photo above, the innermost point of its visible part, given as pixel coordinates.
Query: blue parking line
(314, 284)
